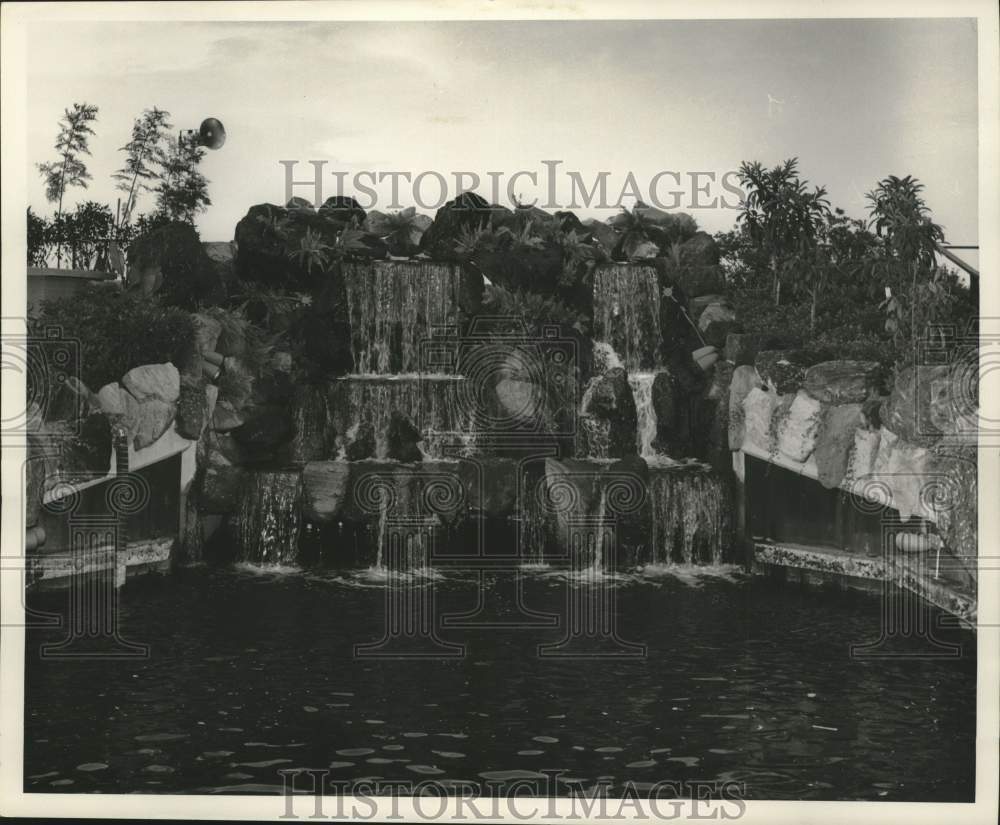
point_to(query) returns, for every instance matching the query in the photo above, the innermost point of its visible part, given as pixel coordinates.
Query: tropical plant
(257, 344)
(635, 231)
(72, 141)
(474, 239)
(181, 189)
(266, 305)
(781, 215)
(145, 154)
(579, 258)
(117, 330)
(86, 231)
(312, 253)
(917, 291)
(399, 228)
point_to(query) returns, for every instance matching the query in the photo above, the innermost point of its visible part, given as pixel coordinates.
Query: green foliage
(81, 234)
(117, 330)
(258, 345)
(189, 279)
(836, 269)
(919, 292)
(145, 154)
(270, 307)
(399, 227)
(781, 216)
(535, 310)
(312, 252)
(72, 141)
(181, 189)
(38, 239)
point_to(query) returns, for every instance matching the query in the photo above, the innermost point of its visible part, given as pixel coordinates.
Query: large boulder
(325, 489)
(783, 370)
(171, 262)
(928, 402)
(672, 227)
(715, 418)
(610, 398)
(261, 250)
(797, 430)
(717, 321)
(222, 256)
(343, 210)
(741, 348)
(402, 439)
(758, 409)
(835, 441)
(265, 426)
(160, 381)
(294, 248)
(606, 236)
(191, 407)
(467, 212)
(223, 475)
(956, 475)
(699, 250)
(359, 442)
(147, 420)
(843, 382)
(696, 306)
(861, 461)
(743, 380)
(909, 473)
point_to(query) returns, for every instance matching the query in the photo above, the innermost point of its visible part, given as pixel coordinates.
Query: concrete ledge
(820, 564)
(56, 571)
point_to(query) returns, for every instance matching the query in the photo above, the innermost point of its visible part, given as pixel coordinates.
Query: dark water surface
(252, 672)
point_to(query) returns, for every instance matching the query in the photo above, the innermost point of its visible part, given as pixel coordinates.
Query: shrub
(116, 331)
(189, 279)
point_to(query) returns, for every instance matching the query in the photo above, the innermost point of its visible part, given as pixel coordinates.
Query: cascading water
(642, 391)
(310, 421)
(627, 313)
(431, 403)
(593, 435)
(597, 536)
(269, 517)
(690, 519)
(395, 308)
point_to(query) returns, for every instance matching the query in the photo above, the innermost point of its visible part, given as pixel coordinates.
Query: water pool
(252, 671)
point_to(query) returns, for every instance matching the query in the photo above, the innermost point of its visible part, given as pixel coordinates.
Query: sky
(853, 100)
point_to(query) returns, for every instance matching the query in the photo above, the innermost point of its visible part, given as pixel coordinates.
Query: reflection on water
(253, 671)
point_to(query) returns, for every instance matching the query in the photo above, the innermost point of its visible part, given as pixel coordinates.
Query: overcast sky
(854, 100)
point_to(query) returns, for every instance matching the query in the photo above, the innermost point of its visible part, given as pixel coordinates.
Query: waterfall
(432, 403)
(268, 518)
(597, 565)
(395, 307)
(383, 522)
(310, 420)
(593, 435)
(690, 519)
(627, 313)
(642, 390)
